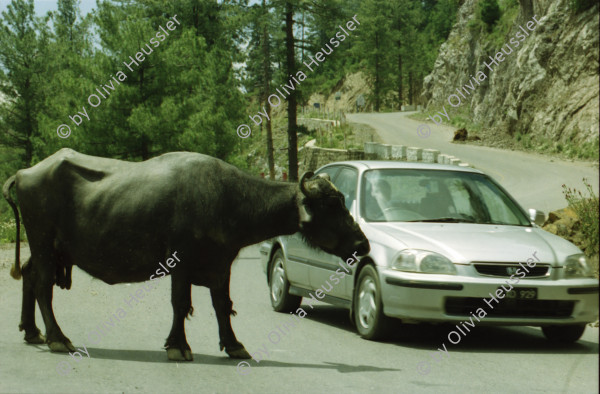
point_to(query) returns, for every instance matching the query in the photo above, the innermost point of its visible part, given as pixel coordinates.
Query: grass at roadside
(343, 136)
(586, 206)
(459, 118)
(8, 231)
(568, 147)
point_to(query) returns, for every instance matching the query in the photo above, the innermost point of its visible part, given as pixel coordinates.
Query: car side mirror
(537, 217)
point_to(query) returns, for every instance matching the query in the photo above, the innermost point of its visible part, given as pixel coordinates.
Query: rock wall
(547, 87)
(353, 85)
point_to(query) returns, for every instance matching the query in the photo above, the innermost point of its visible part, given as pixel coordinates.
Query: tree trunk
(28, 158)
(377, 76)
(302, 54)
(266, 89)
(410, 87)
(270, 157)
(292, 104)
(399, 77)
(29, 128)
(144, 143)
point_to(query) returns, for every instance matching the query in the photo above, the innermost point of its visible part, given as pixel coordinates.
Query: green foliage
(70, 76)
(183, 96)
(302, 129)
(494, 36)
(489, 12)
(315, 24)
(8, 231)
(577, 6)
(586, 208)
(441, 20)
(569, 147)
(374, 45)
(499, 34)
(525, 140)
(398, 43)
(336, 137)
(260, 51)
(23, 53)
(9, 164)
(320, 114)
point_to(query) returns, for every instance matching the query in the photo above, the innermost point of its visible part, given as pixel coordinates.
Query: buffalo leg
(32, 333)
(224, 308)
(181, 298)
(56, 340)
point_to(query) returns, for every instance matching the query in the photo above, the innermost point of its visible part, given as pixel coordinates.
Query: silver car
(448, 244)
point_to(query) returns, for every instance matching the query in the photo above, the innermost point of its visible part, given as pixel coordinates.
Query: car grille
(463, 306)
(506, 270)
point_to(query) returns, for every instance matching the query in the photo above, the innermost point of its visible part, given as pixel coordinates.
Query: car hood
(467, 242)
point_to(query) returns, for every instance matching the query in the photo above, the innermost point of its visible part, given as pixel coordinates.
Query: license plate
(522, 293)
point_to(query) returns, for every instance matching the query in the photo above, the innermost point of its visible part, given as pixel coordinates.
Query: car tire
(369, 319)
(281, 299)
(565, 334)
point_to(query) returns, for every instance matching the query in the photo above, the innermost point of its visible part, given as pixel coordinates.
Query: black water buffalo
(115, 219)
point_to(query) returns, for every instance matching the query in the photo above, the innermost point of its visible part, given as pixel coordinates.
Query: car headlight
(576, 266)
(413, 260)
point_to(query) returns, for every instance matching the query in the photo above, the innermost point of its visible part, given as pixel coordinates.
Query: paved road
(534, 180)
(321, 354)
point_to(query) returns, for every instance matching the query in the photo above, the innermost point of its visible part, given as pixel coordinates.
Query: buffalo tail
(15, 271)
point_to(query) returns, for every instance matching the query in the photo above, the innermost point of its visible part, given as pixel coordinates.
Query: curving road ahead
(533, 179)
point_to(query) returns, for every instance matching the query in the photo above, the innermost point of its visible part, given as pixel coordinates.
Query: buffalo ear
(305, 177)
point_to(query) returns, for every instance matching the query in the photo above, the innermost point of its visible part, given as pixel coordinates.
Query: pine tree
(67, 67)
(260, 71)
(374, 42)
(184, 95)
(23, 43)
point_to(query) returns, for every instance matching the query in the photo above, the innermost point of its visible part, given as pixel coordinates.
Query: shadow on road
(513, 339)
(154, 356)
(500, 339)
(342, 368)
(330, 315)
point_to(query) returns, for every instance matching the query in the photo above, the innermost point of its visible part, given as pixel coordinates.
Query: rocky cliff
(548, 87)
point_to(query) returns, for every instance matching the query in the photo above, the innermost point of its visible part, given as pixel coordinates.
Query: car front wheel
(566, 334)
(370, 321)
(281, 299)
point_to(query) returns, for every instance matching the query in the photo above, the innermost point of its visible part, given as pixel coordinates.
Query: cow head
(325, 222)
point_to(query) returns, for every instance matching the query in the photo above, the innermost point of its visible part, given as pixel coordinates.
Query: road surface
(533, 179)
(321, 354)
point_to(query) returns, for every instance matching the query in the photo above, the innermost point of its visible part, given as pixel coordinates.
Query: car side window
(331, 171)
(346, 182)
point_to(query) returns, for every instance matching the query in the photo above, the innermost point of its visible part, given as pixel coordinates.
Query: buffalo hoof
(175, 354)
(238, 353)
(36, 339)
(62, 347)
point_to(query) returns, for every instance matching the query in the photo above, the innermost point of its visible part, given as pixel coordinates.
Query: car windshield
(416, 195)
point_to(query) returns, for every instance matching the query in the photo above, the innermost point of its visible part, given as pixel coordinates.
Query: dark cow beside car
(115, 219)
